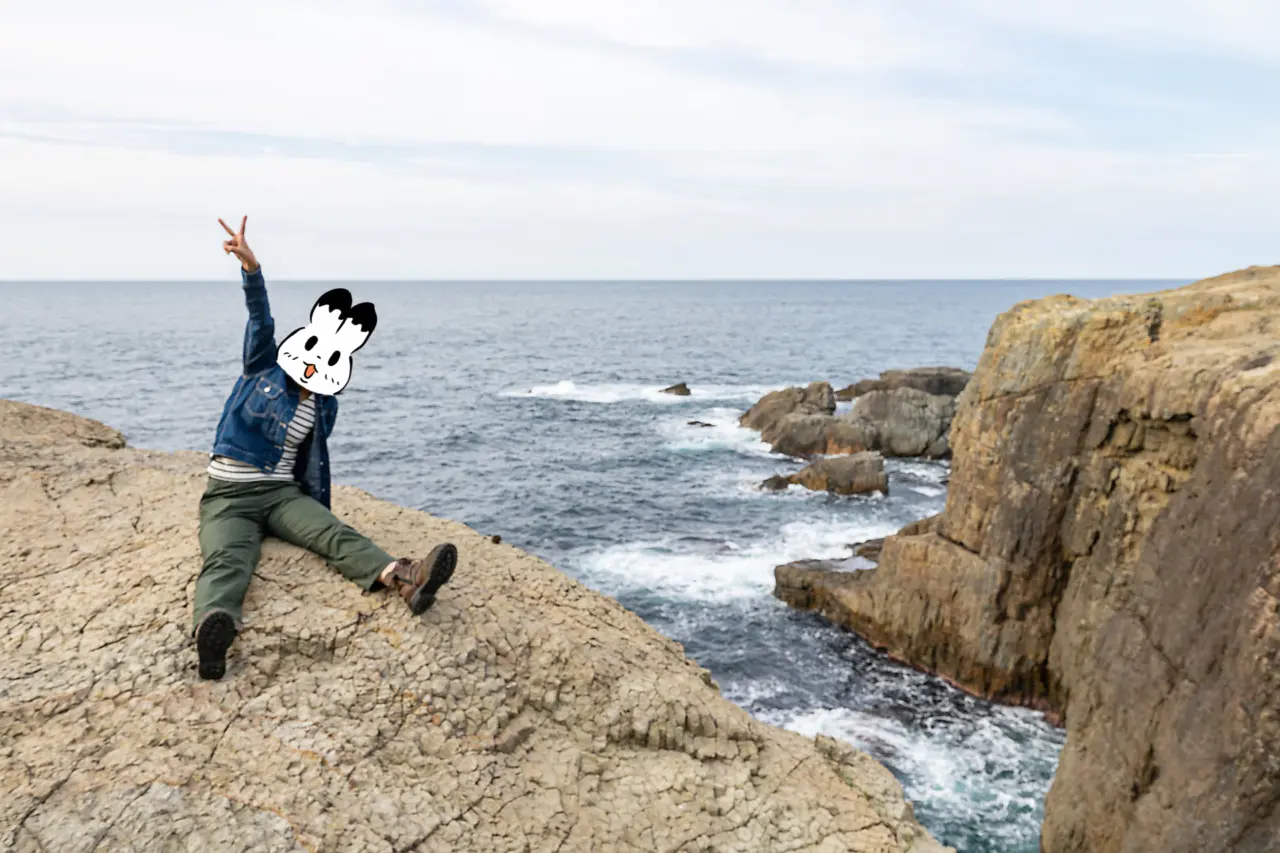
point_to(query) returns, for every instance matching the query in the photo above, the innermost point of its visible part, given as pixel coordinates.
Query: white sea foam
(923, 469)
(929, 491)
(621, 392)
(970, 769)
(734, 571)
(723, 434)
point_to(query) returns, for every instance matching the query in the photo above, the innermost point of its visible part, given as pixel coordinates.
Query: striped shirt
(224, 468)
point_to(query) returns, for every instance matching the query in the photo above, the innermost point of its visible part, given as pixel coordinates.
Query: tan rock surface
(856, 474)
(523, 712)
(767, 414)
(1111, 550)
(899, 421)
(943, 381)
(904, 422)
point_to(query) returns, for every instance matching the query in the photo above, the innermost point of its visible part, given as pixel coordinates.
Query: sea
(533, 410)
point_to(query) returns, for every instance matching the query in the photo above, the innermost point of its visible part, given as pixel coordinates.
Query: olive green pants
(235, 516)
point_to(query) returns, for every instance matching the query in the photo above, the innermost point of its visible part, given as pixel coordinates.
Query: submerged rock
(679, 389)
(844, 475)
(522, 712)
(1110, 552)
(940, 381)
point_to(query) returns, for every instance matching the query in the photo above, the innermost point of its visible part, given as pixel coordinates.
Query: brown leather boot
(418, 581)
(214, 635)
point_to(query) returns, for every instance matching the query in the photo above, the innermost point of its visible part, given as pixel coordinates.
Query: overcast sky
(647, 138)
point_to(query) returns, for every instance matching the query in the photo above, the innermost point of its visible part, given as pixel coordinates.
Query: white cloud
(573, 138)
(1244, 28)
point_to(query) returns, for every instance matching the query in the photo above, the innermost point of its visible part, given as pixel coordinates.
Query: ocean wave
(964, 772)
(733, 571)
(624, 392)
(722, 433)
(929, 470)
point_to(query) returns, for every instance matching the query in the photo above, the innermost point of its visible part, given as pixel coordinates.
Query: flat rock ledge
(823, 585)
(522, 713)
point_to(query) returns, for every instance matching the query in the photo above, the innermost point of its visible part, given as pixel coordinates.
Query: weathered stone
(905, 421)
(942, 381)
(900, 422)
(869, 550)
(679, 389)
(820, 435)
(776, 483)
(815, 399)
(843, 475)
(1111, 551)
(522, 712)
(814, 585)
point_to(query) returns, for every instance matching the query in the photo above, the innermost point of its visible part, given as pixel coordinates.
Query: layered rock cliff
(1110, 550)
(523, 712)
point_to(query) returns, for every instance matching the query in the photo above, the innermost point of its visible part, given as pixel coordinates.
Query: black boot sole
(443, 560)
(213, 638)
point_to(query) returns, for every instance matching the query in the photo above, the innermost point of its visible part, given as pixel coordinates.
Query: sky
(679, 139)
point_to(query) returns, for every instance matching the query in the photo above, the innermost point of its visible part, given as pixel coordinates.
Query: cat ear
(357, 326)
(330, 309)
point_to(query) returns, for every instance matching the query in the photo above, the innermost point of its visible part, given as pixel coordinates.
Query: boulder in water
(900, 422)
(905, 422)
(856, 474)
(769, 412)
(679, 389)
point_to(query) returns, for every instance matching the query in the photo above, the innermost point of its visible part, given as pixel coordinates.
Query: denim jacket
(257, 414)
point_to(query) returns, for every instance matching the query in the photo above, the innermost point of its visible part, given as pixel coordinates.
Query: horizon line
(663, 280)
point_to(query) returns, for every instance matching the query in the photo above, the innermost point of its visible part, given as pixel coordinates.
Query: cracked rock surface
(522, 713)
(1110, 550)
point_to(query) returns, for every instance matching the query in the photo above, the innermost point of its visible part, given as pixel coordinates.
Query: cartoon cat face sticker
(318, 356)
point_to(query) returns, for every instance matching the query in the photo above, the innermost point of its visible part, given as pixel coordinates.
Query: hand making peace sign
(238, 247)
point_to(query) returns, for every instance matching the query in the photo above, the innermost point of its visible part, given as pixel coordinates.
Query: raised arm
(260, 333)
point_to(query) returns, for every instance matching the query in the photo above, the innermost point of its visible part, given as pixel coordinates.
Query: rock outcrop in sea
(1110, 551)
(856, 474)
(940, 381)
(900, 414)
(522, 713)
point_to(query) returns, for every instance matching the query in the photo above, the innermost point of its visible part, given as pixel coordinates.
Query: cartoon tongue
(310, 371)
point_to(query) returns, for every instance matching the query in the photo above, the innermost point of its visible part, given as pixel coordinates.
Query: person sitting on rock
(269, 469)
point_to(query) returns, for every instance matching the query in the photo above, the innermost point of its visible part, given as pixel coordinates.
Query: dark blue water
(531, 410)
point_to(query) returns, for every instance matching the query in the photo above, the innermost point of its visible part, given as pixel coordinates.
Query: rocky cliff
(523, 712)
(1110, 550)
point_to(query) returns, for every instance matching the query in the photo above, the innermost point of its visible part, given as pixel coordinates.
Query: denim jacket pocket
(263, 398)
